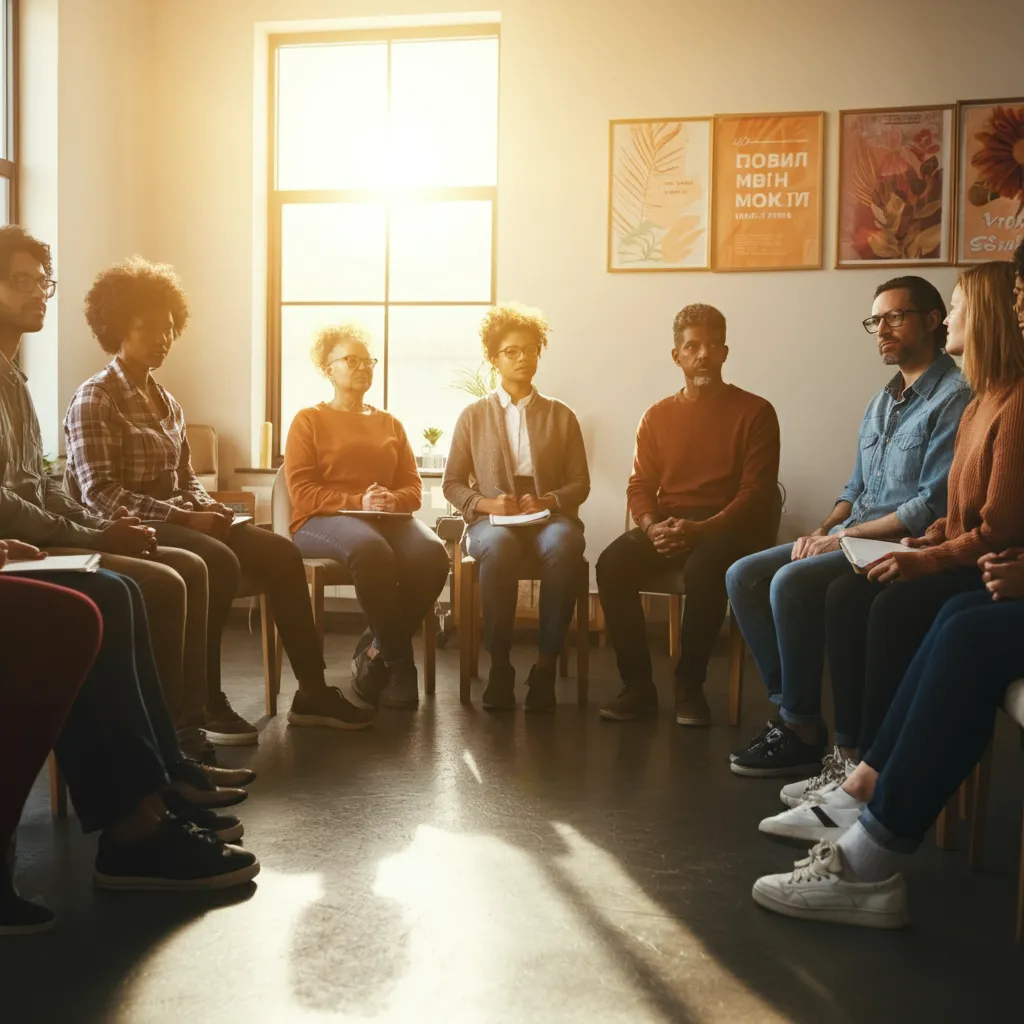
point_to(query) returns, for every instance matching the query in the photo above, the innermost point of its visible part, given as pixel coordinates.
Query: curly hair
(501, 321)
(16, 239)
(698, 314)
(133, 288)
(328, 337)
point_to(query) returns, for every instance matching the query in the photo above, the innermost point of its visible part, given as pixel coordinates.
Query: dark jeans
(398, 567)
(277, 564)
(942, 717)
(38, 680)
(118, 736)
(872, 632)
(779, 605)
(631, 560)
(557, 547)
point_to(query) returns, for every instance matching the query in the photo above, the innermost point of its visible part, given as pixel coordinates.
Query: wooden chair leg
(737, 663)
(583, 640)
(945, 824)
(675, 615)
(271, 676)
(563, 659)
(467, 617)
(1020, 891)
(472, 583)
(58, 791)
(430, 652)
(979, 787)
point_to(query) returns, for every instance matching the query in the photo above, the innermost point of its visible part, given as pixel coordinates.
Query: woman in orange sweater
(346, 455)
(875, 624)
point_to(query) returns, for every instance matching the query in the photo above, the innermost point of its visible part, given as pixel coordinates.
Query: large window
(8, 111)
(383, 191)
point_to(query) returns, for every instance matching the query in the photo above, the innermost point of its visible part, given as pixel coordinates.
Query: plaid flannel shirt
(122, 449)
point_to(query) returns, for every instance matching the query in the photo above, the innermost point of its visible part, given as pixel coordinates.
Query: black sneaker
(500, 694)
(226, 727)
(327, 707)
(756, 742)
(226, 827)
(194, 744)
(781, 753)
(402, 690)
(369, 675)
(540, 689)
(189, 779)
(176, 857)
(18, 916)
(635, 700)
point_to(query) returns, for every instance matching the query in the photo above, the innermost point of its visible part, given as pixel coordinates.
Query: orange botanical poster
(990, 217)
(768, 191)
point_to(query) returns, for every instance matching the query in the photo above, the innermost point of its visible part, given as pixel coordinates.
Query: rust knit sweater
(986, 488)
(332, 457)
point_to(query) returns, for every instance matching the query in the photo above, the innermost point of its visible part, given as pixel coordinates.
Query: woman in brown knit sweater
(875, 624)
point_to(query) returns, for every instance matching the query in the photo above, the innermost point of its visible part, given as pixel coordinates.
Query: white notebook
(54, 563)
(861, 552)
(525, 519)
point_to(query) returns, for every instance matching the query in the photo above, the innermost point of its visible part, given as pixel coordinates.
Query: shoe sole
(325, 722)
(121, 883)
(247, 780)
(862, 918)
(626, 716)
(695, 723)
(233, 739)
(27, 929)
(213, 800)
(793, 771)
(231, 835)
(399, 705)
(803, 837)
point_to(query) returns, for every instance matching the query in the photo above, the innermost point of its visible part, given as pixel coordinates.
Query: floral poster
(659, 205)
(767, 192)
(990, 200)
(895, 187)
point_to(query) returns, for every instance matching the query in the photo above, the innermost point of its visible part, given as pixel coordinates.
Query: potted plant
(430, 459)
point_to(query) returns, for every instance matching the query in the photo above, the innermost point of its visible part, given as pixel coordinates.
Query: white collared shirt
(515, 429)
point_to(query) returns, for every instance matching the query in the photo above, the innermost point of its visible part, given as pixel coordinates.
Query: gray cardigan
(480, 462)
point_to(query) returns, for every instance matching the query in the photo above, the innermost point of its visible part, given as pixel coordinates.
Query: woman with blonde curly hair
(345, 455)
(127, 450)
(518, 451)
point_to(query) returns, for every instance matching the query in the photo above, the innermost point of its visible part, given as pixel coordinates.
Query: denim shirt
(905, 449)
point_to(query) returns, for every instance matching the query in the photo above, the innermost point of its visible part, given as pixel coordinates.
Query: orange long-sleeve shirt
(332, 457)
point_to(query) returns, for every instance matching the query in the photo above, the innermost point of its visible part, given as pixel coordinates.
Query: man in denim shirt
(898, 489)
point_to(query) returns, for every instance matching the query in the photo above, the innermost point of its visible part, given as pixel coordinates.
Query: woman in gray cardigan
(517, 451)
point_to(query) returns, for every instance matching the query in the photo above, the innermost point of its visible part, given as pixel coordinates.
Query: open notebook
(525, 519)
(54, 563)
(862, 553)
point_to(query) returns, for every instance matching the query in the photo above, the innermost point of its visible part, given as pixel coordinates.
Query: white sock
(864, 858)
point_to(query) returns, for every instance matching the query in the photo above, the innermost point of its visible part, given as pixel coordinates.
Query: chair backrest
(280, 506)
(202, 442)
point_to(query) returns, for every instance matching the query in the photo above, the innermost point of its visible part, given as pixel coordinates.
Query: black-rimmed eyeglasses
(894, 318)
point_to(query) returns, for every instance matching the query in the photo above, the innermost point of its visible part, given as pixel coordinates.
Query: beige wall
(567, 67)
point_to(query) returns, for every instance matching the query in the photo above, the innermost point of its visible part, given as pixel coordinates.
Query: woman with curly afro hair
(127, 448)
(519, 452)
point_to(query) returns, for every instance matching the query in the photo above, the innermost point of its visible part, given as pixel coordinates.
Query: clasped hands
(378, 499)
(673, 536)
(1003, 574)
(510, 505)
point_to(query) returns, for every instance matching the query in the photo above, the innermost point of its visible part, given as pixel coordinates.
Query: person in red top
(704, 492)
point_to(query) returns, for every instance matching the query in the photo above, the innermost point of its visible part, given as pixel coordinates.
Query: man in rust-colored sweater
(704, 492)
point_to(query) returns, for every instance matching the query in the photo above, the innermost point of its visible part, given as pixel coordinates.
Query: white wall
(568, 66)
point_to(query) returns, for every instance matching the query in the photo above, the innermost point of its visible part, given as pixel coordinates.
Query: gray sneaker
(835, 768)
(401, 691)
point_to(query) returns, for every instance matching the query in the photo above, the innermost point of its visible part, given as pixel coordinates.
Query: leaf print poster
(895, 187)
(659, 203)
(990, 191)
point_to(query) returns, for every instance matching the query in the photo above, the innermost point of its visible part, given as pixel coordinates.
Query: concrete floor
(452, 866)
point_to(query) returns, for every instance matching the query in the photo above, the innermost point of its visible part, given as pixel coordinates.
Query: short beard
(702, 382)
(891, 359)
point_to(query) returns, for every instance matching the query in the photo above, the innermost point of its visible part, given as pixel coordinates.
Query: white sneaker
(826, 814)
(815, 890)
(835, 768)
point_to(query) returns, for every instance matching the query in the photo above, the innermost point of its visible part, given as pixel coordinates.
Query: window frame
(9, 165)
(277, 199)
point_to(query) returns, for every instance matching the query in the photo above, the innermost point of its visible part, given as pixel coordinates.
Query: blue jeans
(557, 546)
(397, 566)
(118, 738)
(941, 719)
(779, 605)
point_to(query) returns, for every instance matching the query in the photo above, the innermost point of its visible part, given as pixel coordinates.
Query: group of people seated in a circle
(920, 648)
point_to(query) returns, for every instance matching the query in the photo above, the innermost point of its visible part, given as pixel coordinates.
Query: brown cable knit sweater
(986, 488)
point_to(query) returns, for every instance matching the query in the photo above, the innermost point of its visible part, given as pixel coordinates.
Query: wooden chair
(672, 583)
(326, 572)
(202, 443)
(467, 598)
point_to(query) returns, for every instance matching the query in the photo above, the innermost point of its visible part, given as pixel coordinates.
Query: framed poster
(990, 179)
(896, 172)
(659, 194)
(767, 209)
